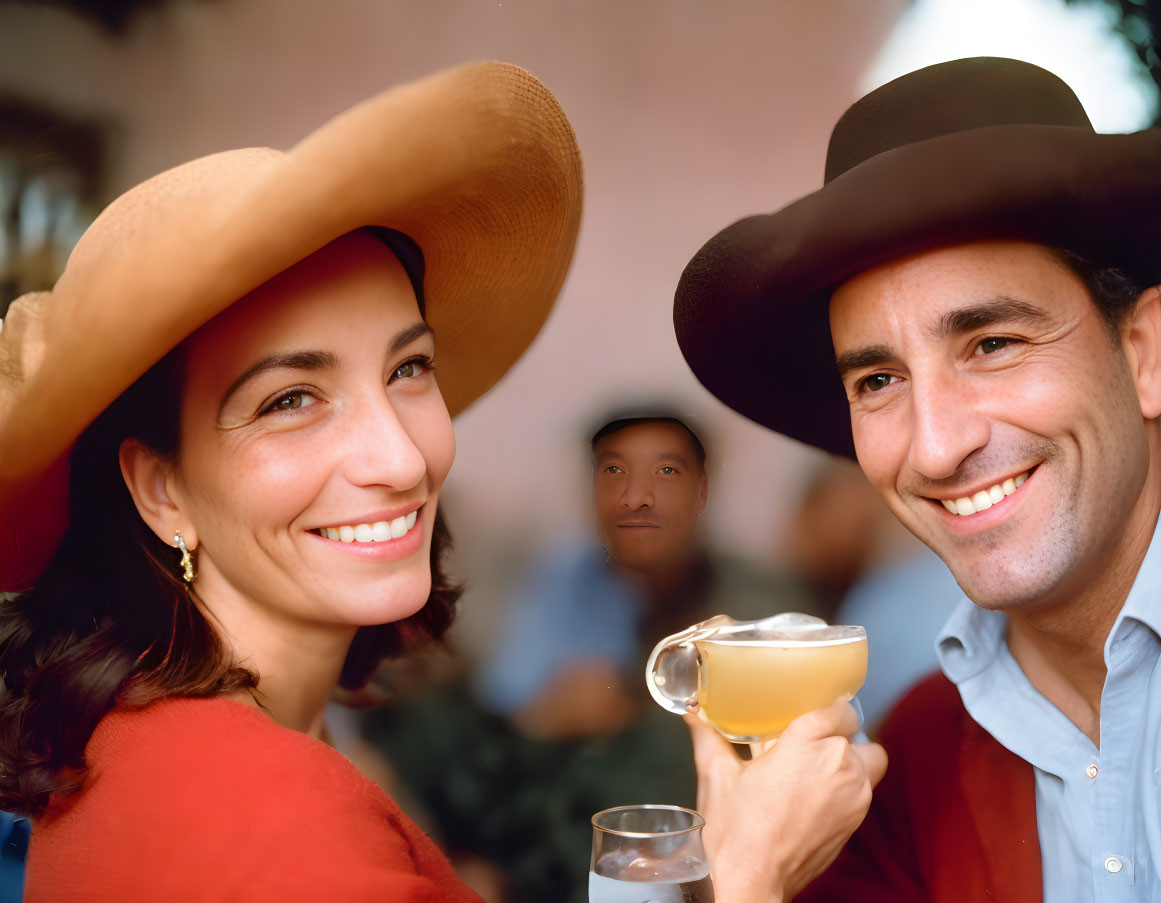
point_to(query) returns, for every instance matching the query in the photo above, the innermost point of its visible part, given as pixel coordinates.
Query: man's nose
(638, 492)
(380, 450)
(946, 426)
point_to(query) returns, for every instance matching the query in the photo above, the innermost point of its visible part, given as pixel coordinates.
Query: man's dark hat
(971, 149)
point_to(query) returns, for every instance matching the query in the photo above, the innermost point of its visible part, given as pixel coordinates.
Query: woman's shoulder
(211, 751)
(210, 799)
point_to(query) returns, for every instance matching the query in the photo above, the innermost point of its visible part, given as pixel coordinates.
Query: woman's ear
(1143, 335)
(149, 477)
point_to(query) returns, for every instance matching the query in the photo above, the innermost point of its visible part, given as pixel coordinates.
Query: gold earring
(186, 558)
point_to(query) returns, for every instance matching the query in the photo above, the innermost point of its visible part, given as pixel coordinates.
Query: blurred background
(690, 114)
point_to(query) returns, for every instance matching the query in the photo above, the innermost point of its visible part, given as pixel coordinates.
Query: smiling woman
(221, 453)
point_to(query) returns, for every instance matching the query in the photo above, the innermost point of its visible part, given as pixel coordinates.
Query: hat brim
(751, 309)
(478, 165)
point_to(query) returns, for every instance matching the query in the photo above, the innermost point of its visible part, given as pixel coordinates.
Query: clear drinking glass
(649, 854)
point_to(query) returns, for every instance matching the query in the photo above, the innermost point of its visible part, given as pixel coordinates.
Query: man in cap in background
(982, 267)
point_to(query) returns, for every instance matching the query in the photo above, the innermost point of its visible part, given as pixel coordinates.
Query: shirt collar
(1143, 603)
(969, 640)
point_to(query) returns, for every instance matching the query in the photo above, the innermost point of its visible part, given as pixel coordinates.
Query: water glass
(649, 854)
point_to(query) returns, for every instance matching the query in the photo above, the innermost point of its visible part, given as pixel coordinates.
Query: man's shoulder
(930, 713)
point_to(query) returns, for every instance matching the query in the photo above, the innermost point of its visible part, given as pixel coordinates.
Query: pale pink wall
(690, 114)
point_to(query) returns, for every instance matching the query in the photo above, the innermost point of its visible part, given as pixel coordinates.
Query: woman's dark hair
(110, 622)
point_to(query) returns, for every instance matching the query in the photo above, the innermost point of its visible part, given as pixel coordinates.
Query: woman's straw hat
(478, 165)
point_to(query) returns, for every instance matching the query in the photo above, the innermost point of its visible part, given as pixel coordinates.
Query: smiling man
(987, 266)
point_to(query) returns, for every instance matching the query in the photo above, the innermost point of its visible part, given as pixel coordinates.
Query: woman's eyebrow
(406, 336)
(285, 360)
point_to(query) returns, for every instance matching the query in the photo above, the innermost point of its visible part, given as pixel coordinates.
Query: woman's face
(314, 442)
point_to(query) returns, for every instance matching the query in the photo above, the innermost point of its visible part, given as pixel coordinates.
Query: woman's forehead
(351, 288)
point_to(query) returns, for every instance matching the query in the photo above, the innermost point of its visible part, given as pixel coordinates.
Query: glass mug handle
(672, 670)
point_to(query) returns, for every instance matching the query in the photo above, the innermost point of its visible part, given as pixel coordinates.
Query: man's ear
(149, 478)
(1142, 335)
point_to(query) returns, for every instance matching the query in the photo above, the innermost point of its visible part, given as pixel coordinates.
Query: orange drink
(752, 678)
(750, 690)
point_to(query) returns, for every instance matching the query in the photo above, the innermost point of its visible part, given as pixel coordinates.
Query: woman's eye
(877, 381)
(412, 368)
(291, 401)
(992, 344)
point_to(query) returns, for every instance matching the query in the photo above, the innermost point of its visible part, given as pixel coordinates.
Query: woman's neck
(297, 663)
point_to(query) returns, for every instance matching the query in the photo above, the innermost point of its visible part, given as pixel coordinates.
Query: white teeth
(985, 498)
(378, 532)
(982, 501)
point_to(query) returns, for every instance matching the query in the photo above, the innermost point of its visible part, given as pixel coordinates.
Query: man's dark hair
(1113, 291)
(618, 424)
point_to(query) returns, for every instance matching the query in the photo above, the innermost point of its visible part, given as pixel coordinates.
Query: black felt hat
(971, 149)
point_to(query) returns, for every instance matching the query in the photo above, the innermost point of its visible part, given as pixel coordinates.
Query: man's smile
(966, 505)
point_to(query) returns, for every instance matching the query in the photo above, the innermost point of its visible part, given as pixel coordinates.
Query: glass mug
(752, 678)
(649, 854)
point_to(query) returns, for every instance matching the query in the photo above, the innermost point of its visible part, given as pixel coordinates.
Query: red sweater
(210, 800)
(953, 821)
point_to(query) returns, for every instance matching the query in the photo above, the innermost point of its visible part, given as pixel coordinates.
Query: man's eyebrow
(987, 313)
(860, 358)
(964, 319)
(673, 456)
(283, 360)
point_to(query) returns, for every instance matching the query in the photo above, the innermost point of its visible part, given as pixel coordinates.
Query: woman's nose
(381, 451)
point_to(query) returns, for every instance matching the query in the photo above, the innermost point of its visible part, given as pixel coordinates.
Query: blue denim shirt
(1098, 811)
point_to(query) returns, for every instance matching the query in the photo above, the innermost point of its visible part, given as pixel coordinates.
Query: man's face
(647, 492)
(982, 378)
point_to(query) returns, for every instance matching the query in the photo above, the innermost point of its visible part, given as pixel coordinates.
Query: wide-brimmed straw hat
(966, 150)
(477, 165)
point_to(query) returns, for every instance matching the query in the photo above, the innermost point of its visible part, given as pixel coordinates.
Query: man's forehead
(657, 438)
(928, 287)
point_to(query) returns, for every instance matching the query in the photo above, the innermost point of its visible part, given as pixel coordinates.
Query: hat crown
(950, 97)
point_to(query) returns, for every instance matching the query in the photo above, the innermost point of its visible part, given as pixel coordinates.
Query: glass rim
(697, 820)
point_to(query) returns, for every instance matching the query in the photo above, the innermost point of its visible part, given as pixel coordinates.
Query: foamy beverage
(752, 678)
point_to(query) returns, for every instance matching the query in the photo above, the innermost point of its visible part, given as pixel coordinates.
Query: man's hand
(775, 823)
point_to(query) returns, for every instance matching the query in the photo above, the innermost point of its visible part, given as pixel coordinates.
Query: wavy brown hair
(111, 622)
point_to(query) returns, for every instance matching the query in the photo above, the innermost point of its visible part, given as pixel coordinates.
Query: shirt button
(1091, 771)
(1113, 864)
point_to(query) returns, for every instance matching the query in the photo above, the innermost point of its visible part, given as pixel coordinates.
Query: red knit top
(208, 799)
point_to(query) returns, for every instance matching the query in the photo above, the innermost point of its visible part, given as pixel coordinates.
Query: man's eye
(667, 470)
(613, 468)
(877, 381)
(992, 344)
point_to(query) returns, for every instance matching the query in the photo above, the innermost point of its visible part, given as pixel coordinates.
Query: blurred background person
(863, 567)
(562, 695)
